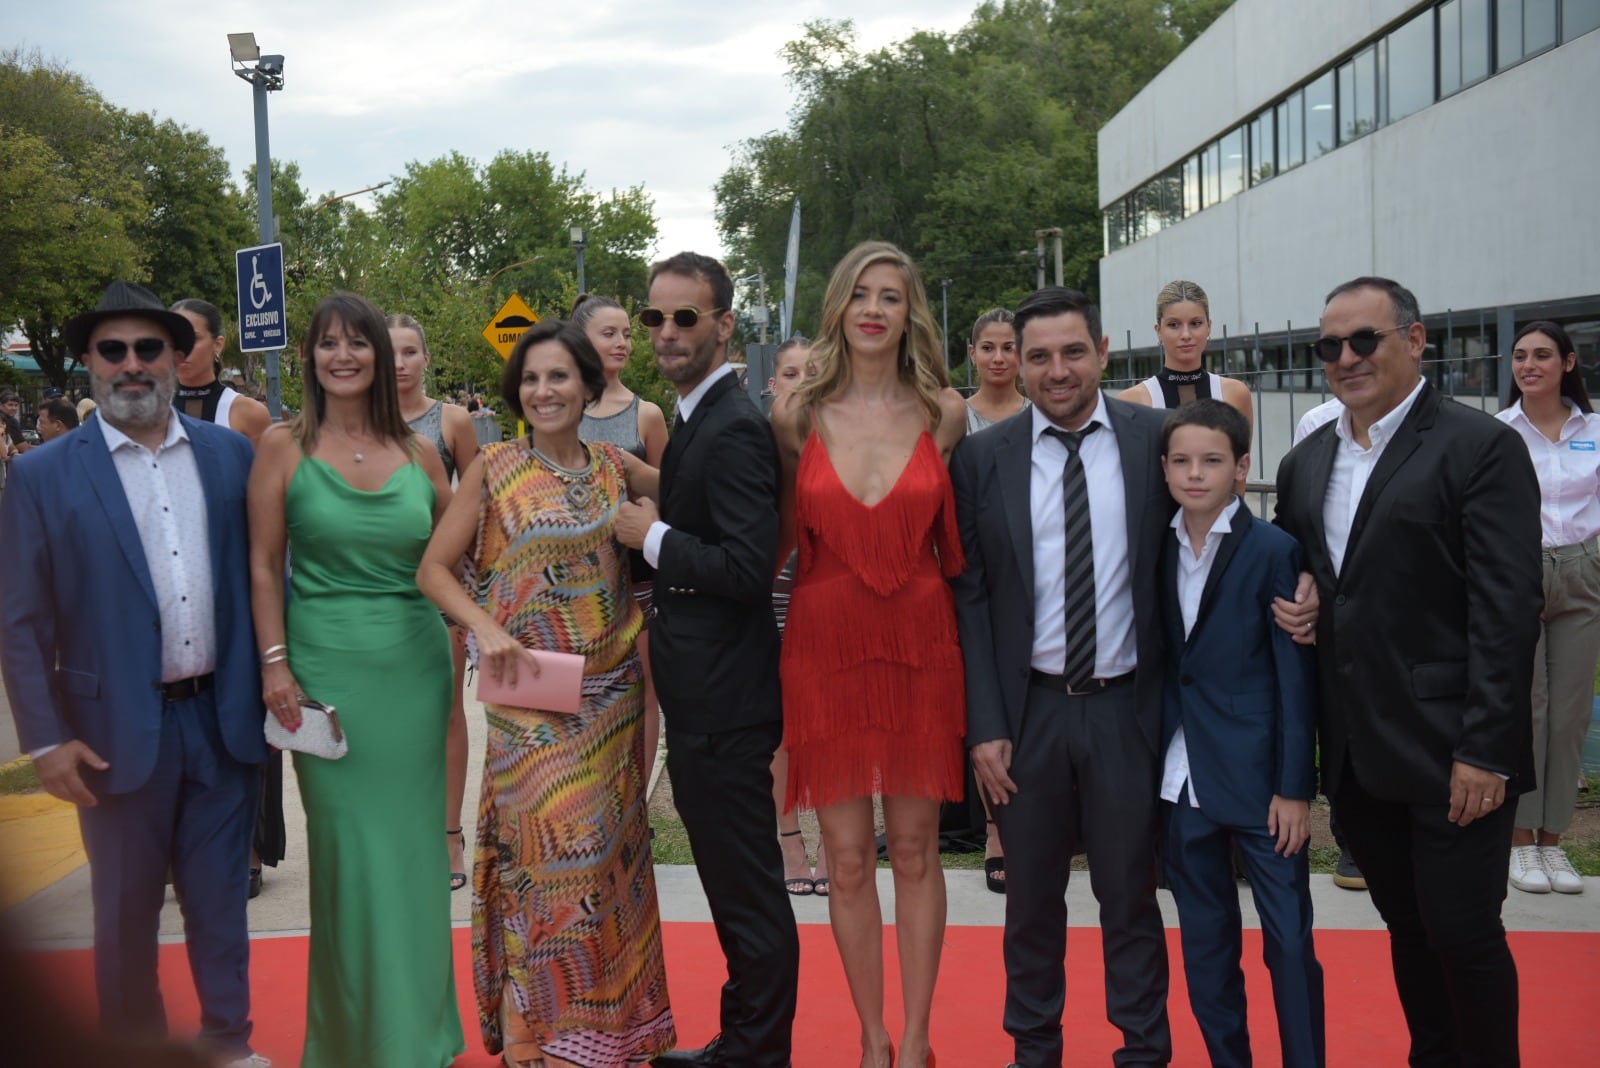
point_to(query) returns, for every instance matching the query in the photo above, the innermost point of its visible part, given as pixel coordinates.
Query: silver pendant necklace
(578, 490)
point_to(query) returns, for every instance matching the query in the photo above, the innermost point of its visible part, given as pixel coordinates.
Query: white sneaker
(1558, 870)
(255, 1060)
(1527, 870)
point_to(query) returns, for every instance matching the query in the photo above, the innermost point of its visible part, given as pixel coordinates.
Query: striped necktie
(1079, 604)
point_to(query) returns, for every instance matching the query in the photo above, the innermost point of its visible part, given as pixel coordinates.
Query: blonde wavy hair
(921, 360)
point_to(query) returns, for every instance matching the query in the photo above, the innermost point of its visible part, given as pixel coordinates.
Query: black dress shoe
(710, 1054)
(255, 883)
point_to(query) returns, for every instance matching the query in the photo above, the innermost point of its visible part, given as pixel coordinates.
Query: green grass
(1585, 856)
(20, 779)
(671, 842)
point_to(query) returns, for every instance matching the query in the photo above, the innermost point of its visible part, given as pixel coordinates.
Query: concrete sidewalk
(38, 842)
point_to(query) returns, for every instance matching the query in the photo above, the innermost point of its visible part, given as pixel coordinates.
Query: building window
(1319, 117)
(1358, 99)
(1211, 174)
(1191, 185)
(1291, 131)
(1263, 154)
(1171, 183)
(1409, 59)
(1578, 17)
(1233, 162)
(1463, 44)
(1523, 27)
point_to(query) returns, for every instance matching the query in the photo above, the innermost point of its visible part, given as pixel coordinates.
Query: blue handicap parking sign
(262, 322)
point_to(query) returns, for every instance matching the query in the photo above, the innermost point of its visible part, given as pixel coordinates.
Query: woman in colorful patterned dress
(872, 676)
(566, 936)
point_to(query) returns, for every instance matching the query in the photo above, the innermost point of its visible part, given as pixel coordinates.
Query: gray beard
(141, 411)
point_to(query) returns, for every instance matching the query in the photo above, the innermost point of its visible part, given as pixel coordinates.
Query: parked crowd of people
(838, 605)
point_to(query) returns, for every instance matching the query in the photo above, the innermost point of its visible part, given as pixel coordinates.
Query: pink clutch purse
(558, 687)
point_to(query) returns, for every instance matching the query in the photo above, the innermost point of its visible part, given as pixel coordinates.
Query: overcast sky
(628, 93)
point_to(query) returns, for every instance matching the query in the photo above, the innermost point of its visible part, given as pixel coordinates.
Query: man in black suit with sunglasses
(1420, 521)
(713, 541)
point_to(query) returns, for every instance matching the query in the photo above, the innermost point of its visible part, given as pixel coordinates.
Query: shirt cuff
(35, 754)
(652, 543)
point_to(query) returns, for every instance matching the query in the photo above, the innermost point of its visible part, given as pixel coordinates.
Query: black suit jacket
(714, 643)
(1243, 691)
(1426, 636)
(994, 595)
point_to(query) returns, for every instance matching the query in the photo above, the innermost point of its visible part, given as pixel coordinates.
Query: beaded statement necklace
(579, 490)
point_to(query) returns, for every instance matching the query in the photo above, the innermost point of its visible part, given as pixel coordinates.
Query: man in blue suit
(130, 661)
(1238, 738)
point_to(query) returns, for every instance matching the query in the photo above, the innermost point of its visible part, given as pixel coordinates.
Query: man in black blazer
(714, 644)
(1420, 521)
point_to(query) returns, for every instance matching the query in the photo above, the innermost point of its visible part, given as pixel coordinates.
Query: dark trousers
(722, 787)
(1083, 772)
(195, 816)
(1439, 888)
(1200, 859)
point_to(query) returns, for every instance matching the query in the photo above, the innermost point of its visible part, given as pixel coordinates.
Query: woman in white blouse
(1550, 409)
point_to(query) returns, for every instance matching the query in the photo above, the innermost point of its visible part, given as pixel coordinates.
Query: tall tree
(69, 204)
(955, 146)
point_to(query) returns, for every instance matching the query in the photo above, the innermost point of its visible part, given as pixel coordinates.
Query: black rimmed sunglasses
(1362, 343)
(682, 318)
(115, 350)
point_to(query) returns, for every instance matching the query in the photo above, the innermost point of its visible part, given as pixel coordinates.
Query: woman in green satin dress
(353, 495)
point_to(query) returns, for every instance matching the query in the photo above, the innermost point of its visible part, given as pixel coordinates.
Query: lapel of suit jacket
(100, 471)
(1316, 469)
(209, 465)
(1407, 436)
(1230, 545)
(1013, 461)
(1173, 608)
(680, 441)
(1133, 448)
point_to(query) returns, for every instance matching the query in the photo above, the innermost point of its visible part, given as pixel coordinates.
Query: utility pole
(1054, 233)
(580, 238)
(1038, 259)
(944, 298)
(265, 77)
(763, 319)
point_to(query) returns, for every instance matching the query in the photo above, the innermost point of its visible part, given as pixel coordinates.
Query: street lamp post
(580, 238)
(265, 76)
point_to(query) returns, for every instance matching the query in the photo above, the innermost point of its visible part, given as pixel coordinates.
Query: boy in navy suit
(1238, 732)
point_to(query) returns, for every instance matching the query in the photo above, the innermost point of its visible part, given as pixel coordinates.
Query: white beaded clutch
(319, 735)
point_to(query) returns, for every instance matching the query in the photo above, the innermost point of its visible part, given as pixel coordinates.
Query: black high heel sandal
(458, 879)
(800, 885)
(994, 871)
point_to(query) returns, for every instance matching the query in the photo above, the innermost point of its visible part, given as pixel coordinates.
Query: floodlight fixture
(244, 47)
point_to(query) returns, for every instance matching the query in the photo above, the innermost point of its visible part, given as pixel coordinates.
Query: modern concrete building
(1454, 146)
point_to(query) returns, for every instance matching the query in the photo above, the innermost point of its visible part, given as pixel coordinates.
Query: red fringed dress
(873, 698)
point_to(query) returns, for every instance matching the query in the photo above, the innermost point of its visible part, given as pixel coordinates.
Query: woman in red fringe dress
(872, 679)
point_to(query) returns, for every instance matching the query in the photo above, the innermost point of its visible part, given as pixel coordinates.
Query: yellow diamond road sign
(508, 324)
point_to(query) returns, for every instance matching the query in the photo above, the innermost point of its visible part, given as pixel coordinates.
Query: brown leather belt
(183, 689)
(1060, 684)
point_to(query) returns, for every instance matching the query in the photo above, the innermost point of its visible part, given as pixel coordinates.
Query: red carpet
(1560, 975)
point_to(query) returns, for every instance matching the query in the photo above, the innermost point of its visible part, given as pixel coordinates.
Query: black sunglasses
(113, 350)
(1362, 343)
(682, 318)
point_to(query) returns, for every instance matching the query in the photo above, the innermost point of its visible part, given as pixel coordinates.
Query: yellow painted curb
(39, 844)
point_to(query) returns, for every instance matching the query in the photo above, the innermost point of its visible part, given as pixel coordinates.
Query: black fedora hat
(123, 299)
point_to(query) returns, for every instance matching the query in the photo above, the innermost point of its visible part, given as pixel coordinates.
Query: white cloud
(628, 93)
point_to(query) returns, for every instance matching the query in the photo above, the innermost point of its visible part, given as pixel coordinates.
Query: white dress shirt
(686, 406)
(169, 508)
(1569, 474)
(1192, 574)
(1116, 647)
(1352, 469)
(1326, 412)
